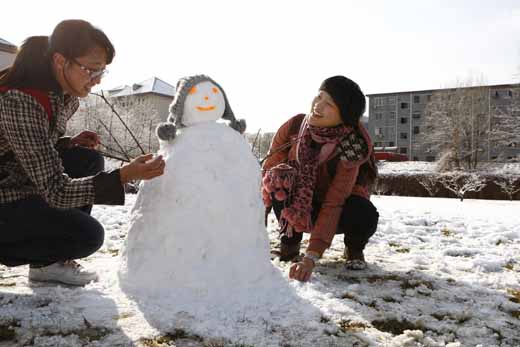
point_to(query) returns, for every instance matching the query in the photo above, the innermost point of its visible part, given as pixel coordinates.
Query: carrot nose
(206, 98)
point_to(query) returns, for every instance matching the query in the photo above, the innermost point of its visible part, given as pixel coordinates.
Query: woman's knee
(359, 213)
(92, 236)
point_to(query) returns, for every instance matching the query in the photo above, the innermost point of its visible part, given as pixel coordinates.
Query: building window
(403, 150)
(404, 105)
(416, 130)
(404, 120)
(379, 116)
(391, 144)
(378, 131)
(416, 115)
(392, 115)
(416, 99)
(379, 101)
(403, 136)
(391, 100)
(504, 94)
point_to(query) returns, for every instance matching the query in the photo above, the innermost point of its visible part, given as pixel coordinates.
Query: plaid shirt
(29, 161)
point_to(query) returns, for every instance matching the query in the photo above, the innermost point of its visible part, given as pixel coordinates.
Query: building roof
(7, 46)
(514, 85)
(152, 85)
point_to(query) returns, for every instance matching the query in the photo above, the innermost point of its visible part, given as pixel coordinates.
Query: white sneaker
(67, 272)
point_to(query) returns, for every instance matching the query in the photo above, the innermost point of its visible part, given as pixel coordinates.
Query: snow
(423, 167)
(441, 273)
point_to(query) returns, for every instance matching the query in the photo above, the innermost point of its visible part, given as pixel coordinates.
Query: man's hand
(86, 138)
(142, 168)
(302, 271)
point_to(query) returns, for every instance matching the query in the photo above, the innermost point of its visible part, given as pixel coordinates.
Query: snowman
(197, 242)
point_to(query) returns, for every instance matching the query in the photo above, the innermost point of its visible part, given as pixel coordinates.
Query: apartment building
(7, 53)
(396, 120)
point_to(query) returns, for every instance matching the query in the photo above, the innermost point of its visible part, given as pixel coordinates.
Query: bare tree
(260, 143)
(430, 183)
(508, 185)
(505, 122)
(460, 184)
(462, 123)
(380, 188)
(125, 134)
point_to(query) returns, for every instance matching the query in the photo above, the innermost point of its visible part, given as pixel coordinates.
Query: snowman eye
(193, 90)
(215, 90)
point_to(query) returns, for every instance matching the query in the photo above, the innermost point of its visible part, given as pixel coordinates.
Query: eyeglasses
(93, 74)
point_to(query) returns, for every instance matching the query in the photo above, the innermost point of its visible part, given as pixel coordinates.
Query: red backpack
(40, 96)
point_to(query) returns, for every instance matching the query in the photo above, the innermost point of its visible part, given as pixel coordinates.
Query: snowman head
(198, 99)
(204, 103)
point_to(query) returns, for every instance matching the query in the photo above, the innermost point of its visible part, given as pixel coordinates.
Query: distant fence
(410, 185)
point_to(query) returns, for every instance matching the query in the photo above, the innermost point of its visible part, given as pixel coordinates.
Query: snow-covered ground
(423, 167)
(441, 273)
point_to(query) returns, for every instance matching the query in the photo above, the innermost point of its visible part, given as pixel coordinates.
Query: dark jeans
(358, 222)
(32, 232)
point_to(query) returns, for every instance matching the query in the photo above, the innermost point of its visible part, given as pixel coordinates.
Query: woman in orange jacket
(317, 177)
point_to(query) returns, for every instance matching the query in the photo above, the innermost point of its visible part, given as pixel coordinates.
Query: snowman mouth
(202, 108)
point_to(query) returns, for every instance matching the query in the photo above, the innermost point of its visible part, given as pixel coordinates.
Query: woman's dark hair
(368, 173)
(32, 67)
(348, 97)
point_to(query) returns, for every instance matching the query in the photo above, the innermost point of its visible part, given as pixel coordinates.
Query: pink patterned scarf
(298, 177)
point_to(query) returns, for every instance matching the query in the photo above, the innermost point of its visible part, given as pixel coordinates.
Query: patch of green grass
(324, 319)
(349, 296)
(169, 339)
(352, 326)
(7, 284)
(7, 332)
(446, 232)
(514, 295)
(395, 326)
(414, 283)
(390, 299)
(92, 333)
(384, 278)
(447, 316)
(348, 278)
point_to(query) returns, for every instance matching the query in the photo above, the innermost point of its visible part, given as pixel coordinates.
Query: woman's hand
(142, 168)
(302, 271)
(86, 138)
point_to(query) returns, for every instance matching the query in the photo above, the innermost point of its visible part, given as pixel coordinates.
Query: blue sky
(271, 56)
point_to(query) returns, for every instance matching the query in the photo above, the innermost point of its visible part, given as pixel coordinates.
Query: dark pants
(32, 232)
(358, 222)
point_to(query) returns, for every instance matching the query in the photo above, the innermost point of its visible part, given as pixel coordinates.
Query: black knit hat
(348, 97)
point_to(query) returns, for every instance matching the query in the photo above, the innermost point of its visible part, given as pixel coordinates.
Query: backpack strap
(40, 96)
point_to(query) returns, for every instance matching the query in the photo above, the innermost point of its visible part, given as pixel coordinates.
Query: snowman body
(197, 233)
